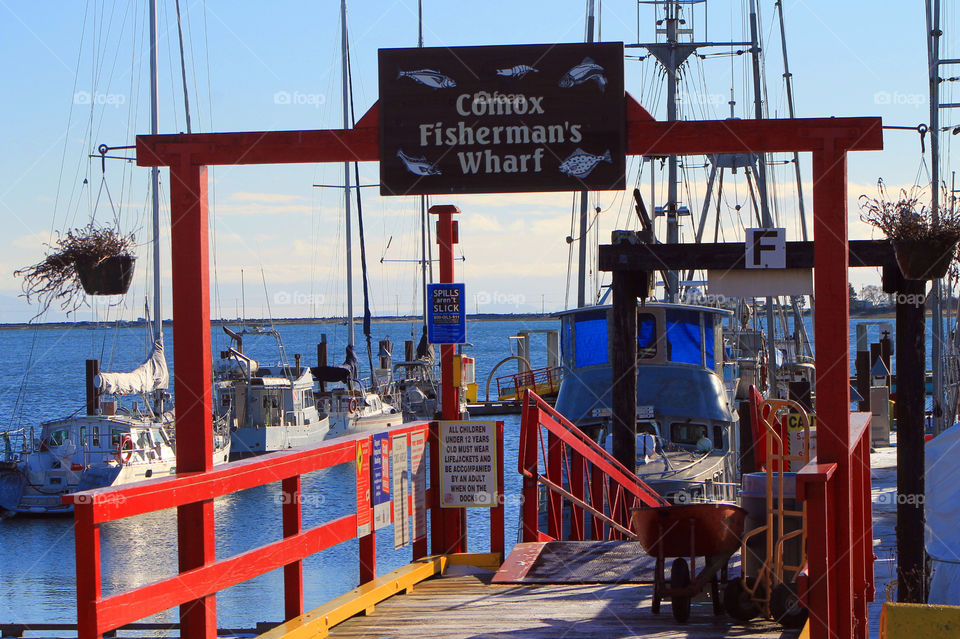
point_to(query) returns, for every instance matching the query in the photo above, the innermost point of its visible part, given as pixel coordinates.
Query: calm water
(41, 377)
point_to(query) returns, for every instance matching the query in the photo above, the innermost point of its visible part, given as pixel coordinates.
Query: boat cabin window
(646, 336)
(57, 437)
(115, 437)
(271, 409)
(684, 433)
(307, 398)
(95, 437)
(590, 339)
(717, 437)
(647, 427)
(691, 338)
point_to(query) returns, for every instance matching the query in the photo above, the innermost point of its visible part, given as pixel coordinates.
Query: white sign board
(766, 248)
(418, 468)
(468, 464)
(401, 491)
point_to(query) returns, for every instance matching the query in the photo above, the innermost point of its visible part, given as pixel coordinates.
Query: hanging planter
(92, 260)
(925, 248)
(924, 260)
(108, 276)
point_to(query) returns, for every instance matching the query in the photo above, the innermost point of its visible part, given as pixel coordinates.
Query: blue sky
(75, 76)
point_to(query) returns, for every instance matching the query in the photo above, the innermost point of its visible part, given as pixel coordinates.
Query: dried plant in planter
(925, 248)
(95, 260)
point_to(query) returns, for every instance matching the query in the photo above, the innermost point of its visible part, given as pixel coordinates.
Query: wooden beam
(687, 137)
(727, 255)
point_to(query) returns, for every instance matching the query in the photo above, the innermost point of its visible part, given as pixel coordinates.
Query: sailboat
(351, 407)
(115, 442)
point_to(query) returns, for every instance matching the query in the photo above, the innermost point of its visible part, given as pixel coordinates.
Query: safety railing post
(530, 425)
(292, 517)
(87, 541)
(555, 475)
(497, 512)
(576, 488)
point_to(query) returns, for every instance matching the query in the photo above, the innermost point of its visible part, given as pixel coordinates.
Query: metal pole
(673, 225)
(346, 171)
(762, 194)
(155, 192)
(582, 281)
(933, 57)
(424, 219)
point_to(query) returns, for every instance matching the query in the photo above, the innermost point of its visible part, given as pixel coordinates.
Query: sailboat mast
(933, 60)
(584, 200)
(155, 173)
(424, 218)
(346, 169)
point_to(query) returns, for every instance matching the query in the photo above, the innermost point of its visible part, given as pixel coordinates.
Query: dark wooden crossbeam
(729, 255)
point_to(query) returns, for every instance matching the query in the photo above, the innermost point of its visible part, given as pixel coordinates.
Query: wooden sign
(502, 119)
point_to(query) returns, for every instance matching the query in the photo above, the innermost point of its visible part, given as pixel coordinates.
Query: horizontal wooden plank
(151, 495)
(121, 609)
(469, 606)
(727, 255)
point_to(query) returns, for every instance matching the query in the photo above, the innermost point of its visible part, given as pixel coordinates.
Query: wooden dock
(469, 606)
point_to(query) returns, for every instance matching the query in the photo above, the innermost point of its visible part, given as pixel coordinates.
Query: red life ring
(125, 450)
(353, 405)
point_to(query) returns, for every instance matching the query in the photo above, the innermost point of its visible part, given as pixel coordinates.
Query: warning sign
(447, 320)
(401, 487)
(380, 463)
(418, 467)
(468, 464)
(363, 489)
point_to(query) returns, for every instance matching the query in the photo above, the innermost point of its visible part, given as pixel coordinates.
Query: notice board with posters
(500, 119)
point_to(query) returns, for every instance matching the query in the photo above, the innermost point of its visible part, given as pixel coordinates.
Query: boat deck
(465, 606)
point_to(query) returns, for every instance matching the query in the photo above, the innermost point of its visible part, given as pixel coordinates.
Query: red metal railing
(542, 381)
(97, 615)
(578, 474)
(832, 570)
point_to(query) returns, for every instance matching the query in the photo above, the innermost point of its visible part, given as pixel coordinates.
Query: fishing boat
(687, 425)
(267, 408)
(119, 439)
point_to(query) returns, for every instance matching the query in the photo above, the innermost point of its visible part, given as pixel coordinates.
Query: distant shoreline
(285, 321)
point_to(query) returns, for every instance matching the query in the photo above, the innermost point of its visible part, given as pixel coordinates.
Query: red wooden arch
(835, 609)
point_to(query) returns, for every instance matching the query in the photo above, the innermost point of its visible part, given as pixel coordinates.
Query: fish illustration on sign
(428, 77)
(517, 71)
(586, 71)
(580, 164)
(417, 166)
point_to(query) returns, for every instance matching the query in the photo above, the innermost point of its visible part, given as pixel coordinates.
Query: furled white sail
(149, 376)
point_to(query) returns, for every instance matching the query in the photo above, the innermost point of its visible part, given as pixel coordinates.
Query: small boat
(115, 443)
(687, 426)
(267, 408)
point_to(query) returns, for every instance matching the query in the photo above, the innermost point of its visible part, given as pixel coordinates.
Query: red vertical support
(191, 354)
(368, 556)
(497, 512)
(596, 500)
(292, 525)
(87, 541)
(530, 425)
(576, 488)
(833, 364)
(454, 519)
(555, 475)
(819, 564)
(436, 516)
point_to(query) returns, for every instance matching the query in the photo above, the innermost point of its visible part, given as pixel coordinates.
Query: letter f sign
(766, 248)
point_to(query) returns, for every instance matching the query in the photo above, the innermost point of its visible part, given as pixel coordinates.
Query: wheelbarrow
(708, 530)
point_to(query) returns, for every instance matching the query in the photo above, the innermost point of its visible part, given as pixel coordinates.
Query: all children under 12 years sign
(468, 464)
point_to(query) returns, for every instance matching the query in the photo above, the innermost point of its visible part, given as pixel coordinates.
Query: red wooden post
(497, 512)
(813, 490)
(528, 467)
(833, 363)
(555, 475)
(87, 542)
(596, 500)
(368, 557)
(576, 487)
(454, 519)
(194, 370)
(292, 525)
